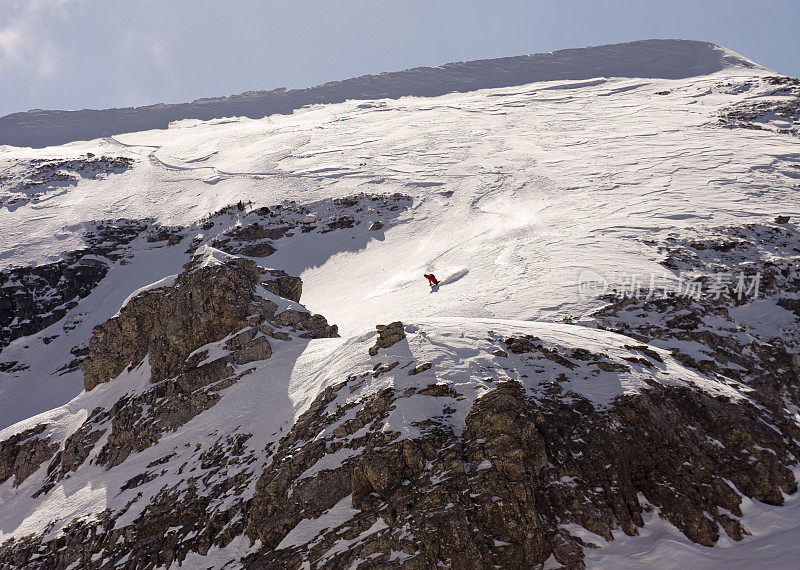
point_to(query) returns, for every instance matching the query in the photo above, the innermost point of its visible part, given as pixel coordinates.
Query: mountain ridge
(668, 59)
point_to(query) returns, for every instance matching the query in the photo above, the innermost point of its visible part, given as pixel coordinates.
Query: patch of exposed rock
(207, 304)
(196, 338)
(711, 332)
(259, 229)
(388, 335)
(776, 109)
(35, 179)
(33, 298)
(505, 491)
(24, 453)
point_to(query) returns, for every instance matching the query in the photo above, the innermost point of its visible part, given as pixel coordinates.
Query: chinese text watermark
(689, 284)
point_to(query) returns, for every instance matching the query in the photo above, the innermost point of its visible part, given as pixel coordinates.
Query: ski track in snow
(517, 190)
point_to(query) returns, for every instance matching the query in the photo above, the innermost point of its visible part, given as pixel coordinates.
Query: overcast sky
(73, 54)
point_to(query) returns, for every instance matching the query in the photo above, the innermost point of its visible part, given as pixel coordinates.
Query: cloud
(24, 38)
(138, 42)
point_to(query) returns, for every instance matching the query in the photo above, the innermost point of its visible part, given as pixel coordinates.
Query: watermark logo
(591, 284)
(690, 284)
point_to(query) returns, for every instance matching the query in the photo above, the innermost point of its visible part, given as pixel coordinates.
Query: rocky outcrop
(33, 298)
(283, 285)
(259, 229)
(168, 324)
(23, 453)
(195, 336)
(711, 331)
(207, 304)
(505, 491)
(388, 335)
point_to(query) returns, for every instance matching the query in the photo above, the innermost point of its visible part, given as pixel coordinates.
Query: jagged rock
(420, 368)
(23, 453)
(74, 452)
(388, 335)
(173, 236)
(315, 325)
(33, 298)
(282, 284)
(522, 345)
(383, 368)
(193, 335)
(248, 347)
(255, 249)
(256, 238)
(375, 226)
(256, 231)
(340, 222)
(439, 391)
(167, 324)
(781, 219)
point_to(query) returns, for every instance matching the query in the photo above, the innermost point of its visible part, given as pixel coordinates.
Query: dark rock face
(206, 304)
(711, 322)
(520, 471)
(262, 227)
(388, 335)
(33, 298)
(674, 446)
(151, 539)
(75, 451)
(283, 285)
(498, 494)
(23, 453)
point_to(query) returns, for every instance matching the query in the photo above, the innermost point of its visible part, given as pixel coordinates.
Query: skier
(432, 281)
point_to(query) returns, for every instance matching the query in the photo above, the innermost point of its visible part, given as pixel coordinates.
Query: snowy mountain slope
(547, 180)
(669, 59)
(41, 368)
(507, 195)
